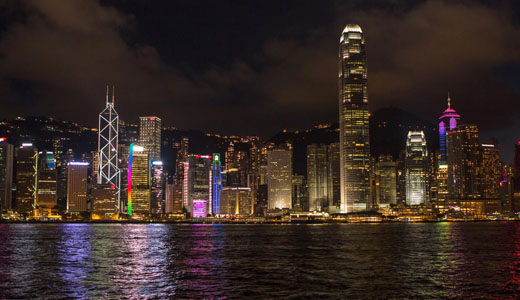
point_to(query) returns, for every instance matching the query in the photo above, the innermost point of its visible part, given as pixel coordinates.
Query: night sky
(256, 67)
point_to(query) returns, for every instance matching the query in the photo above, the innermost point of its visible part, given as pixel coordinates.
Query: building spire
(107, 95)
(449, 101)
(113, 93)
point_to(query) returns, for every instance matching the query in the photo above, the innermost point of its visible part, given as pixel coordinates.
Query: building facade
(150, 136)
(279, 179)
(77, 186)
(416, 168)
(6, 174)
(353, 121)
(26, 175)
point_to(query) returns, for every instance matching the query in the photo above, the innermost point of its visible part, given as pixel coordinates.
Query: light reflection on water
(400, 261)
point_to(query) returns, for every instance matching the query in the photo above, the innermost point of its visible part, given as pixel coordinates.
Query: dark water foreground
(342, 261)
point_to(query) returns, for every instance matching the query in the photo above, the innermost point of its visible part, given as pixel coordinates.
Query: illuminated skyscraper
(353, 121)
(216, 182)
(386, 171)
(6, 174)
(182, 155)
(26, 172)
(279, 178)
(323, 177)
(447, 121)
(157, 185)
(416, 168)
(463, 150)
(150, 136)
(108, 162)
(77, 186)
(47, 182)
(138, 181)
(104, 201)
(490, 171)
(197, 187)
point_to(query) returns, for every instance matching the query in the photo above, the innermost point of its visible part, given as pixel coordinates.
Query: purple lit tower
(448, 121)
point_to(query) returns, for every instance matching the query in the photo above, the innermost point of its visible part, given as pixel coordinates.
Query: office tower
(236, 201)
(279, 178)
(300, 199)
(448, 121)
(196, 191)
(182, 155)
(26, 172)
(6, 175)
(317, 176)
(62, 165)
(138, 181)
(353, 121)
(150, 136)
(323, 179)
(157, 184)
(490, 171)
(416, 166)
(173, 198)
(108, 147)
(386, 171)
(463, 150)
(334, 189)
(230, 156)
(77, 186)
(216, 182)
(105, 204)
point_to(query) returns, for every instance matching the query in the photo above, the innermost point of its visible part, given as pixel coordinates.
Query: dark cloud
(257, 71)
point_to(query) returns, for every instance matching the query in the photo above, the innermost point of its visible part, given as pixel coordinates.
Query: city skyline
(242, 86)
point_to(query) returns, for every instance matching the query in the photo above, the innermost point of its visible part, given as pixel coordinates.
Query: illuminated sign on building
(199, 208)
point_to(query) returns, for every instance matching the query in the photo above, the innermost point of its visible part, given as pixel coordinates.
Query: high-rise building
(150, 136)
(6, 175)
(448, 121)
(108, 147)
(317, 176)
(334, 189)
(490, 171)
(386, 171)
(182, 155)
(416, 166)
(516, 169)
(236, 201)
(26, 172)
(216, 182)
(138, 181)
(173, 198)
(77, 186)
(104, 201)
(157, 185)
(353, 121)
(323, 177)
(196, 190)
(463, 149)
(279, 178)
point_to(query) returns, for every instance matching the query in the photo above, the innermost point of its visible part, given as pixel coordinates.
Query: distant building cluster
(150, 172)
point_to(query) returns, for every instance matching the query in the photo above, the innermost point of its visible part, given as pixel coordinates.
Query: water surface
(333, 261)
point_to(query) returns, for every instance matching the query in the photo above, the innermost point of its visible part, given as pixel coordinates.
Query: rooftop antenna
(449, 101)
(113, 93)
(107, 94)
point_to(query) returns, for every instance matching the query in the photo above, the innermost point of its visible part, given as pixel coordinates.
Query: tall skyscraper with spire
(108, 134)
(353, 121)
(447, 121)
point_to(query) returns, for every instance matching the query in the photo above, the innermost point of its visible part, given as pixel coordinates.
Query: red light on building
(112, 186)
(3, 139)
(152, 119)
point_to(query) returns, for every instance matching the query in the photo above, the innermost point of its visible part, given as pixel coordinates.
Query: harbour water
(332, 261)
